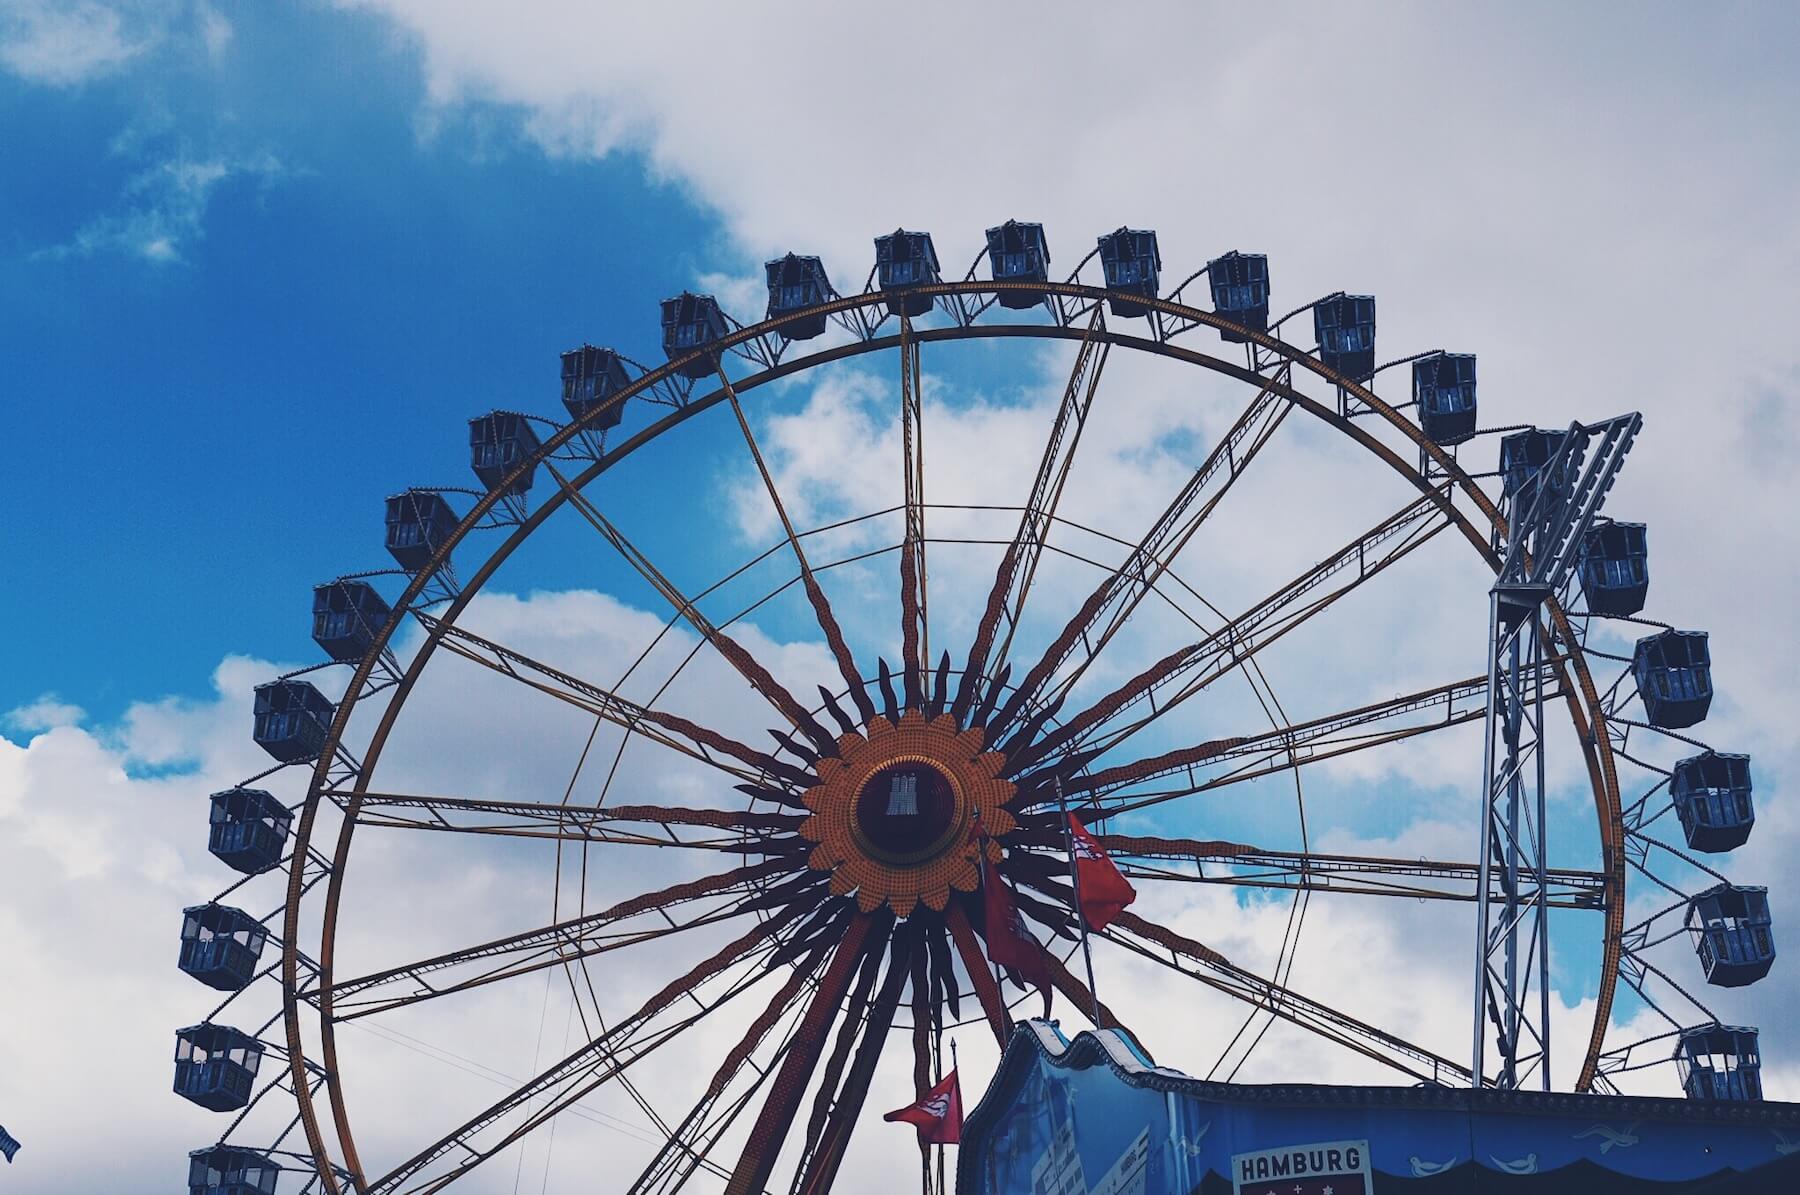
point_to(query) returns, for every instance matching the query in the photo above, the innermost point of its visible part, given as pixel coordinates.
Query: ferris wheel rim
(1582, 698)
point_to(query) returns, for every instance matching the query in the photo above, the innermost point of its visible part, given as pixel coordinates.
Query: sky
(259, 265)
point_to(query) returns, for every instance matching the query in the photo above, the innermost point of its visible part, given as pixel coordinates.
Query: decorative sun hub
(894, 815)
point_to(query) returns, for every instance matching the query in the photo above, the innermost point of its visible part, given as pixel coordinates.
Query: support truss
(1541, 547)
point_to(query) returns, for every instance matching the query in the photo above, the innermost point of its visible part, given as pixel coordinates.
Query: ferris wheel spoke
(987, 991)
(687, 1148)
(594, 1064)
(1018, 567)
(1216, 763)
(1148, 858)
(818, 1169)
(1198, 962)
(925, 1009)
(564, 942)
(747, 666)
(613, 825)
(839, 1057)
(1190, 669)
(828, 623)
(915, 622)
(751, 1174)
(1120, 593)
(678, 733)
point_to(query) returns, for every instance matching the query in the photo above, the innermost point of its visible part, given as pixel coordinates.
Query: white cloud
(64, 43)
(103, 829)
(98, 865)
(166, 208)
(215, 31)
(46, 713)
(163, 205)
(1521, 206)
(103, 833)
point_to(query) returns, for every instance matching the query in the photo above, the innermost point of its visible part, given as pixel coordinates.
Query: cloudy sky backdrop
(258, 266)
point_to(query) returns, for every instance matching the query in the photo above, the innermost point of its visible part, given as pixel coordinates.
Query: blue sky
(259, 264)
(255, 280)
(246, 299)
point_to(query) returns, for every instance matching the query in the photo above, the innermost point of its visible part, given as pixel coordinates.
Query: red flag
(1104, 889)
(1009, 943)
(938, 1113)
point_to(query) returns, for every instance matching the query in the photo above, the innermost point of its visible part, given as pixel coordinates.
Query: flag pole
(942, 1189)
(1087, 951)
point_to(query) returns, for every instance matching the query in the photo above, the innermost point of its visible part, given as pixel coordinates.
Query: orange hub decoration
(894, 815)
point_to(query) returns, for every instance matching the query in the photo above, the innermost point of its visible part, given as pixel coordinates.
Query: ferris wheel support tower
(1547, 517)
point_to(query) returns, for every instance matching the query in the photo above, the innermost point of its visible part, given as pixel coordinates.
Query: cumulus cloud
(1450, 202)
(103, 836)
(99, 859)
(46, 713)
(103, 830)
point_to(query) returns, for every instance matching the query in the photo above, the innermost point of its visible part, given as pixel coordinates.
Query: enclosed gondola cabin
(215, 1066)
(1345, 326)
(1732, 934)
(691, 322)
(1711, 795)
(1674, 677)
(1132, 264)
(1523, 455)
(419, 522)
(499, 442)
(1240, 291)
(229, 1170)
(292, 719)
(1017, 253)
(795, 284)
(347, 615)
(906, 259)
(1615, 568)
(220, 945)
(1720, 1062)
(248, 829)
(1444, 388)
(590, 376)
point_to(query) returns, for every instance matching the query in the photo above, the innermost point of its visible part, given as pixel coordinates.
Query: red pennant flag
(1104, 889)
(1009, 943)
(937, 1113)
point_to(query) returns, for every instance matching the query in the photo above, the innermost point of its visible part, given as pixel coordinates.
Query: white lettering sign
(1344, 1164)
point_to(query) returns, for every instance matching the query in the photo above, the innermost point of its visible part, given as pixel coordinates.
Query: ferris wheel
(770, 857)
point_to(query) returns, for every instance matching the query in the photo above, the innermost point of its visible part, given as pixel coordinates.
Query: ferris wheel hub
(894, 815)
(908, 811)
